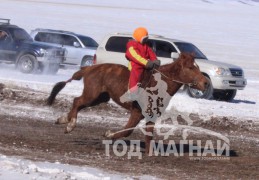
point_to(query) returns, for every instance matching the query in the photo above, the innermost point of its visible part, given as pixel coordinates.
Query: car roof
(152, 36)
(8, 26)
(57, 31)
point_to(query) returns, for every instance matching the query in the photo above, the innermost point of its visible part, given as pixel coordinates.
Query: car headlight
(222, 71)
(43, 52)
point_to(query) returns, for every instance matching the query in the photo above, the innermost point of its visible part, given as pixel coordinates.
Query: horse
(103, 82)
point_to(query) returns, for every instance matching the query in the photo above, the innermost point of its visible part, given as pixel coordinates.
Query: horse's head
(190, 73)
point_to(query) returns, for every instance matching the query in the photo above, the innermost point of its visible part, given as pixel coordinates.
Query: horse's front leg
(134, 119)
(149, 135)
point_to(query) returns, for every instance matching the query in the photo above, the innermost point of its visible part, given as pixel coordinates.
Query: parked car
(225, 79)
(80, 48)
(18, 47)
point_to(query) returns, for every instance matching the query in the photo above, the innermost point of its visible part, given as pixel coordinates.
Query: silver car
(225, 79)
(80, 48)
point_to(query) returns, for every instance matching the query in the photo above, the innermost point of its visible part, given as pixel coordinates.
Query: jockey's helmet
(140, 34)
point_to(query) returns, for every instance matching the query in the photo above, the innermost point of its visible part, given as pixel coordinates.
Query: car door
(74, 49)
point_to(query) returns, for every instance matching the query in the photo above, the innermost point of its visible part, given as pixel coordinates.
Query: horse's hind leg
(79, 103)
(86, 100)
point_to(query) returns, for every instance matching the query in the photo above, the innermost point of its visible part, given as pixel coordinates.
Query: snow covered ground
(225, 30)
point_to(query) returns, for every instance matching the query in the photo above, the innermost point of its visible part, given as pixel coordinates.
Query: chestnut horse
(105, 81)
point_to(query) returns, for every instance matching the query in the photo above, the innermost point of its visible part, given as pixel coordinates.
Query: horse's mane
(173, 67)
(167, 67)
(176, 65)
(171, 70)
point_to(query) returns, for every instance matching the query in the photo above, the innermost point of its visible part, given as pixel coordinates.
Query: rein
(194, 83)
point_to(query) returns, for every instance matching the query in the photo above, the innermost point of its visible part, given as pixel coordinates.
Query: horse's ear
(188, 60)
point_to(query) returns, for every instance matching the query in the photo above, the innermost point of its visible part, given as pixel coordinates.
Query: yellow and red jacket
(139, 54)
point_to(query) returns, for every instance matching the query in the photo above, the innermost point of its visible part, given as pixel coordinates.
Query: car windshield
(88, 42)
(190, 48)
(20, 35)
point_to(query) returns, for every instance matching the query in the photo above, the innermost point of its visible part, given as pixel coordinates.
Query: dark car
(16, 46)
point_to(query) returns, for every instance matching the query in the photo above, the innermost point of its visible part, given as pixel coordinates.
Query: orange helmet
(140, 33)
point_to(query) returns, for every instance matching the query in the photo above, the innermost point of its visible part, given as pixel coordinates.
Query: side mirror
(174, 55)
(76, 44)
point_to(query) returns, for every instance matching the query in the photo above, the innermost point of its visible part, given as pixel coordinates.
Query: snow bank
(18, 168)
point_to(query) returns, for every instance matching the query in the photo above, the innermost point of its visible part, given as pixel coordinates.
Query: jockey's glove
(152, 64)
(157, 63)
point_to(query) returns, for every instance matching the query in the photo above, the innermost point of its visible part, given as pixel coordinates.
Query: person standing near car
(3, 35)
(140, 57)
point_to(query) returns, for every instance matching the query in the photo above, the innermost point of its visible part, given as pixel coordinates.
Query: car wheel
(27, 64)
(225, 95)
(207, 94)
(87, 61)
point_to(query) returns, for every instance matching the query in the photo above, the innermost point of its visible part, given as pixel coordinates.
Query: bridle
(194, 83)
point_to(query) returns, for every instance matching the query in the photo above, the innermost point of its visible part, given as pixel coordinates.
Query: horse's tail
(60, 85)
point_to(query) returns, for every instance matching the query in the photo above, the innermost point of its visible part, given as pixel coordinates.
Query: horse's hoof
(67, 130)
(62, 120)
(70, 127)
(109, 134)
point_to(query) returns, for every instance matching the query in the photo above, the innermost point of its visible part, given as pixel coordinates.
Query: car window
(20, 35)
(117, 44)
(88, 42)
(62, 39)
(69, 40)
(163, 48)
(49, 37)
(190, 48)
(38, 37)
(3, 35)
(42, 37)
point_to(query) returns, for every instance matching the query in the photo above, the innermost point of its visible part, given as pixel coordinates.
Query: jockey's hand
(157, 63)
(150, 65)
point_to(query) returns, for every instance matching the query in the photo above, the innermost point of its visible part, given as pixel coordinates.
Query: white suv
(225, 78)
(80, 48)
